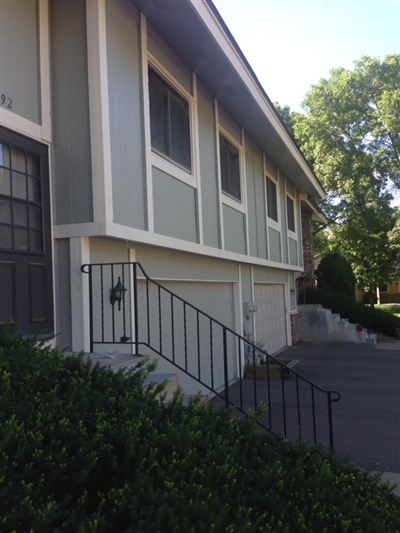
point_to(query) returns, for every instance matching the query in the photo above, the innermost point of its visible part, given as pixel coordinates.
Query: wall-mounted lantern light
(117, 294)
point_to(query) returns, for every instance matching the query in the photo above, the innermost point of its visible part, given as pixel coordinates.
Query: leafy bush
(334, 273)
(83, 449)
(370, 318)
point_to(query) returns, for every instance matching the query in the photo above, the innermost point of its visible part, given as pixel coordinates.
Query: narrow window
(272, 202)
(230, 168)
(169, 121)
(290, 214)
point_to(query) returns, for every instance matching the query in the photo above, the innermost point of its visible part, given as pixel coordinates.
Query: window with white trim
(230, 168)
(272, 200)
(169, 122)
(291, 224)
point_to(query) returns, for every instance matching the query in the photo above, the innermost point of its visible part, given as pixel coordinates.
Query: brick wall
(308, 244)
(295, 328)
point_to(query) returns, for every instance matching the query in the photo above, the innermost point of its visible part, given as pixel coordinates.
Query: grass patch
(392, 309)
(88, 450)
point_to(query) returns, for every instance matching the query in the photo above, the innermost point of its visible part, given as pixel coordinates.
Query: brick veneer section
(308, 244)
(295, 328)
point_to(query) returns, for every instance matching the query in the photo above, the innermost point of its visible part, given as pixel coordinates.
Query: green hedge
(358, 313)
(85, 450)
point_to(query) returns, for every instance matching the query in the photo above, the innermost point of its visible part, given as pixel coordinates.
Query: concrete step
(273, 370)
(117, 361)
(318, 325)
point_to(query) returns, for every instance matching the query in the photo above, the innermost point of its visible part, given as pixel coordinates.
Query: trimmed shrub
(88, 450)
(357, 313)
(334, 273)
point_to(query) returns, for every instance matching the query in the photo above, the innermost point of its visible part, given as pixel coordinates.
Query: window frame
(276, 224)
(163, 161)
(227, 198)
(291, 232)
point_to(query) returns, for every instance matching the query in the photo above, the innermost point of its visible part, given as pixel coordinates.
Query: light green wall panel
(271, 169)
(269, 275)
(72, 174)
(208, 169)
(229, 125)
(234, 230)
(166, 57)
(175, 212)
(63, 288)
(163, 264)
(256, 209)
(283, 207)
(293, 257)
(246, 281)
(274, 245)
(126, 121)
(19, 58)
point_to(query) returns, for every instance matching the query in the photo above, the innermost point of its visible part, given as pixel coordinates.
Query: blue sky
(291, 44)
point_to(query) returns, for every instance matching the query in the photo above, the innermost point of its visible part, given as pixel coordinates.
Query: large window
(21, 224)
(272, 201)
(26, 280)
(230, 168)
(169, 121)
(290, 214)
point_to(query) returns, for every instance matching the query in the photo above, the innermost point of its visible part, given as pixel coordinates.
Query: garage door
(270, 317)
(188, 338)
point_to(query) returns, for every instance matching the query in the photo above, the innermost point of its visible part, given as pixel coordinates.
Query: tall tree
(350, 134)
(351, 127)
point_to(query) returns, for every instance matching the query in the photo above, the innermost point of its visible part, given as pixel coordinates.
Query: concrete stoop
(321, 325)
(117, 361)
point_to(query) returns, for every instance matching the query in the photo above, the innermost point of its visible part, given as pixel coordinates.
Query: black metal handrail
(207, 351)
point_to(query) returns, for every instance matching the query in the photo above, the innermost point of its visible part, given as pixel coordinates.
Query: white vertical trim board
(266, 205)
(132, 259)
(99, 112)
(221, 218)
(79, 255)
(279, 202)
(244, 186)
(238, 302)
(196, 157)
(146, 122)
(44, 47)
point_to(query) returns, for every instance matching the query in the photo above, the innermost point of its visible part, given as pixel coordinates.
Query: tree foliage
(351, 128)
(350, 134)
(334, 273)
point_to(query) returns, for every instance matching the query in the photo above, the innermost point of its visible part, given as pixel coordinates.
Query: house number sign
(6, 101)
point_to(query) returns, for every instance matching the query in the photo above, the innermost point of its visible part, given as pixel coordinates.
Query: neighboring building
(136, 131)
(386, 294)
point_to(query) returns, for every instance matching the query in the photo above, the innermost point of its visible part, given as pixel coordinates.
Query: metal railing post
(330, 421)
(135, 309)
(91, 309)
(226, 378)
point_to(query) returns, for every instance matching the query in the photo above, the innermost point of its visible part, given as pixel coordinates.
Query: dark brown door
(26, 281)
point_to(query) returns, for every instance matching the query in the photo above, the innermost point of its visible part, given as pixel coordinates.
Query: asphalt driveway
(367, 418)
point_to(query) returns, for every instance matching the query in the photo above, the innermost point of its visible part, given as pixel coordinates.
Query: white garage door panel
(190, 350)
(270, 317)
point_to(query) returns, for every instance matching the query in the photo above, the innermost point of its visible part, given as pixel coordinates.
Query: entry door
(26, 281)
